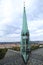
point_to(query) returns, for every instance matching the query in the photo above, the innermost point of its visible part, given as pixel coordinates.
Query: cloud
(11, 19)
(35, 12)
(36, 29)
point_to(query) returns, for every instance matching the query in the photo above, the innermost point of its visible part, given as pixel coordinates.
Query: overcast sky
(11, 18)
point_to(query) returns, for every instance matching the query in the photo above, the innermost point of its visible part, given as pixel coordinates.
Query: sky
(11, 19)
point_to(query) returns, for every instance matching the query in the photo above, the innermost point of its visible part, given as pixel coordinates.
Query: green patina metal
(25, 45)
(24, 27)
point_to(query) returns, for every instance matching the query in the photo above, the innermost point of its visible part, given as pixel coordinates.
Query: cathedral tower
(25, 45)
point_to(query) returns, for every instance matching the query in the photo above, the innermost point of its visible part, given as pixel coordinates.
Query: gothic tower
(25, 46)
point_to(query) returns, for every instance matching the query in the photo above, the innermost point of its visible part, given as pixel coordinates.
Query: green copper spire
(24, 27)
(25, 47)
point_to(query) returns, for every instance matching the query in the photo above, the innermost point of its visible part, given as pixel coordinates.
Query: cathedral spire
(25, 38)
(24, 25)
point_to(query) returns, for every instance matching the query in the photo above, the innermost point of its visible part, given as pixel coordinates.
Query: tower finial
(24, 3)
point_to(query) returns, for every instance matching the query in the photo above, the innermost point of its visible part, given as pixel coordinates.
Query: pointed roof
(24, 25)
